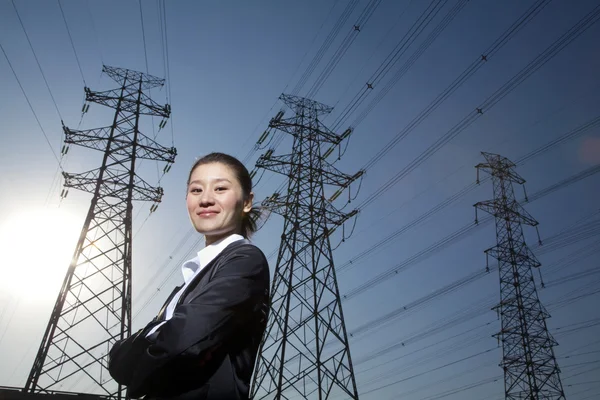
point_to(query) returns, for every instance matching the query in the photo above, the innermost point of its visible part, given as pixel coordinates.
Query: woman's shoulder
(246, 248)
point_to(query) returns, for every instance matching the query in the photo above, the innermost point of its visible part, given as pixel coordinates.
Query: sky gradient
(228, 63)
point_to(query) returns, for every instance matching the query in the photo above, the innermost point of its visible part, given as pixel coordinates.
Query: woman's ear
(248, 203)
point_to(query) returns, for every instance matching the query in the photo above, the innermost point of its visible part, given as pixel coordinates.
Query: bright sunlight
(36, 247)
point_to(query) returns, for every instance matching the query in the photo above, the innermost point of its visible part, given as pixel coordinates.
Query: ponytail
(249, 222)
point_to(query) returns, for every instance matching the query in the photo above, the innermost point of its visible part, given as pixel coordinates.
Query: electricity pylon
(93, 308)
(529, 364)
(305, 350)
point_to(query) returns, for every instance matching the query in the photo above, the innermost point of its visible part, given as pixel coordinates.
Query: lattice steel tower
(305, 350)
(93, 308)
(529, 364)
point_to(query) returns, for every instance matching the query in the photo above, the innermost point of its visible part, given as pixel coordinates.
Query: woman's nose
(206, 198)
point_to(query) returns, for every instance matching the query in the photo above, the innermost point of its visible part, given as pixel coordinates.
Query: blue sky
(228, 62)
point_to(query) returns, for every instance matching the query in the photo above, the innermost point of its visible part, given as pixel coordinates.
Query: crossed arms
(174, 357)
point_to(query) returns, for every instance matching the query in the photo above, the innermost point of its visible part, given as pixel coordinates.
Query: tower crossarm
(128, 103)
(125, 76)
(514, 211)
(519, 255)
(286, 165)
(98, 138)
(317, 131)
(500, 167)
(280, 204)
(279, 164)
(300, 105)
(335, 218)
(150, 150)
(114, 184)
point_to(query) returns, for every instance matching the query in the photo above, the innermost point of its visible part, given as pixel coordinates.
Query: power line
(31, 107)
(430, 370)
(578, 293)
(464, 388)
(370, 57)
(414, 305)
(577, 132)
(580, 254)
(169, 98)
(583, 274)
(573, 33)
(459, 374)
(158, 177)
(460, 317)
(399, 50)
(458, 235)
(87, 3)
(470, 341)
(464, 335)
(409, 366)
(367, 12)
(12, 314)
(338, 54)
(582, 175)
(174, 269)
(570, 135)
(36, 59)
(581, 354)
(56, 174)
(143, 35)
(72, 44)
(450, 16)
(253, 150)
(325, 46)
(309, 46)
(520, 23)
(474, 310)
(344, 46)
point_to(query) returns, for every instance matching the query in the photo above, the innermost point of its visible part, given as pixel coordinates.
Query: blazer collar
(209, 267)
(191, 267)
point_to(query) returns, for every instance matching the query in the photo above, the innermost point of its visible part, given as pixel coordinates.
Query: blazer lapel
(161, 314)
(195, 281)
(210, 267)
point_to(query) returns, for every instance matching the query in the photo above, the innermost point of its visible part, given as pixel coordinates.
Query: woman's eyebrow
(214, 180)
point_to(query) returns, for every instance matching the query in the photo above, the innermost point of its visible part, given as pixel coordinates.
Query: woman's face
(215, 201)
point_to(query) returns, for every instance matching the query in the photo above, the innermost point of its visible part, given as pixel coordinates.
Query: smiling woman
(204, 341)
(35, 250)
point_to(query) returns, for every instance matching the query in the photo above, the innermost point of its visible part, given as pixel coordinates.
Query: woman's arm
(236, 295)
(124, 354)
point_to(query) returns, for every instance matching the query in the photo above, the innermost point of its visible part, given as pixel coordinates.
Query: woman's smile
(207, 214)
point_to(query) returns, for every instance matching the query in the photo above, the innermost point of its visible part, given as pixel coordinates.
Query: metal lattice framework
(529, 364)
(93, 308)
(305, 350)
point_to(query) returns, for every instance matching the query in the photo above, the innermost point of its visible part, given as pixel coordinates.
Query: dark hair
(243, 176)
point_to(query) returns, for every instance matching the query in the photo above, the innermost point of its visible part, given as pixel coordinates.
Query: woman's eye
(220, 189)
(196, 190)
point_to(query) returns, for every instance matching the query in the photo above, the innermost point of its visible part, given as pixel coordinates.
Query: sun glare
(36, 248)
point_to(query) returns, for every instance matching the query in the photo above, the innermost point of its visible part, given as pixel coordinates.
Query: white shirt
(192, 267)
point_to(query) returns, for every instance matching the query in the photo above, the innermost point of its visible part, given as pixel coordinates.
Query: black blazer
(208, 348)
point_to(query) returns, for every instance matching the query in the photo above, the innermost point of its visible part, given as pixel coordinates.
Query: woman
(204, 341)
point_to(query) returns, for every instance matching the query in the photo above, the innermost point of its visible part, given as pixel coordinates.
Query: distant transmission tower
(529, 364)
(305, 351)
(93, 308)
